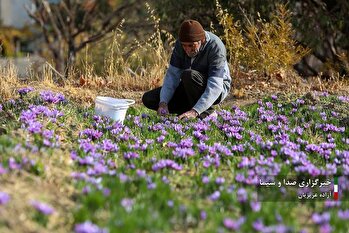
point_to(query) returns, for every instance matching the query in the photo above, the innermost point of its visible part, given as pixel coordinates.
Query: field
(270, 166)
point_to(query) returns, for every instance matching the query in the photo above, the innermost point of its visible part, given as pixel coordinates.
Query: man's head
(191, 36)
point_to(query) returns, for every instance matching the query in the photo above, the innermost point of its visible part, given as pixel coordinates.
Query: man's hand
(163, 109)
(191, 114)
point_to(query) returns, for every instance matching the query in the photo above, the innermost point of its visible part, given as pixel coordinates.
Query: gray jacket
(211, 62)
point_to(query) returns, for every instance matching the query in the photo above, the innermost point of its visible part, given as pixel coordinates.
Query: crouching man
(198, 76)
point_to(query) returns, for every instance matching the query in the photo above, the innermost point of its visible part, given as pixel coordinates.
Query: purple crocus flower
(43, 207)
(123, 178)
(160, 139)
(78, 175)
(258, 225)
(35, 127)
(203, 215)
(131, 155)
(344, 98)
(25, 90)
(97, 170)
(48, 134)
(240, 177)
(331, 204)
(4, 198)
(343, 214)
(86, 145)
(183, 152)
(215, 196)
(73, 155)
(321, 219)
(233, 224)
(2, 170)
(200, 136)
(202, 147)
(108, 145)
(106, 192)
(151, 185)
(127, 203)
(325, 228)
(165, 180)
(91, 134)
(220, 180)
(186, 143)
(242, 195)
(88, 160)
(255, 206)
(87, 189)
(166, 163)
(205, 179)
(0, 107)
(88, 227)
(170, 203)
(13, 165)
(274, 97)
(51, 97)
(141, 173)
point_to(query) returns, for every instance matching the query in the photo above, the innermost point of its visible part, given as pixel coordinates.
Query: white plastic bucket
(113, 108)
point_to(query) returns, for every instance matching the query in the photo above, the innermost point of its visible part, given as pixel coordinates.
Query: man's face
(191, 48)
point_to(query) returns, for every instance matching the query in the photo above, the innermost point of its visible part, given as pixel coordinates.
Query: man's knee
(146, 99)
(193, 78)
(150, 99)
(187, 75)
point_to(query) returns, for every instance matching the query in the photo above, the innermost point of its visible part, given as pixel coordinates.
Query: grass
(207, 188)
(127, 195)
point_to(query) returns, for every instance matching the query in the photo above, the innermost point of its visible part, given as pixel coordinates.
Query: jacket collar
(208, 38)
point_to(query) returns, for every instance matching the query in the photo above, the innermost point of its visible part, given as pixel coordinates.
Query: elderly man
(198, 76)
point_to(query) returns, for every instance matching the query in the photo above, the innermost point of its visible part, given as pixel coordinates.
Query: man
(198, 76)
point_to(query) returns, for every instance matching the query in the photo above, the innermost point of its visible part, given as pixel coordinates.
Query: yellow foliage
(265, 47)
(8, 35)
(233, 38)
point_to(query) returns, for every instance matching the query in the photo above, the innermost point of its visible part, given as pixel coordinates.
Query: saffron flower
(242, 195)
(108, 145)
(183, 152)
(127, 203)
(88, 227)
(321, 219)
(51, 97)
(343, 214)
(4, 198)
(42, 207)
(203, 215)
(131, 155)
(2, 170)
(166, 163)
(214, 196)
(91, 134)
(233, 224)
(25, 90)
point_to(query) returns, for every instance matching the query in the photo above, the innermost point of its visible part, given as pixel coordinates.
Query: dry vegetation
(261, 59)
(261, 64)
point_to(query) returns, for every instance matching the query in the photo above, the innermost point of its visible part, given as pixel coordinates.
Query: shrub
(266, 47)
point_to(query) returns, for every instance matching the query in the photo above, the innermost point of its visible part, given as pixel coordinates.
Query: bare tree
(69, 25)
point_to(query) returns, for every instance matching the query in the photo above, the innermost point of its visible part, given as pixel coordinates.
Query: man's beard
(193, 54)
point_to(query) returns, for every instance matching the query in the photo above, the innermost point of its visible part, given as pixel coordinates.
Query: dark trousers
(190, 89)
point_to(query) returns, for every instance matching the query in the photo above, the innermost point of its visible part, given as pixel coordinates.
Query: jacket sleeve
(171, 82)
(173, 74)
